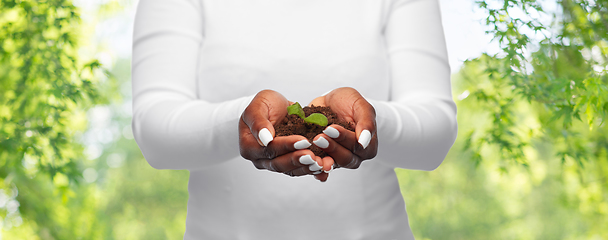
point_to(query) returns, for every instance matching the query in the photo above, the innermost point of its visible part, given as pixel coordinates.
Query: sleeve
(417, 126)
(173, 127)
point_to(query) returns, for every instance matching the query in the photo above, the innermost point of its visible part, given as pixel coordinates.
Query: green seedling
(296, 109)
(315, 118)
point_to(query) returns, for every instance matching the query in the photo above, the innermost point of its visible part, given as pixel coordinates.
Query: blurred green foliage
(530, 161)
(501, 198)
(557, 66)
(45, 86)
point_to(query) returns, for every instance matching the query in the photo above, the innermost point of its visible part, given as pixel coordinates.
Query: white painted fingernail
(317, 172)
(315, 167)
(364, 138)
(306, 160)
(265, 136)
(302, 144)
(321, 142)
(331, 132)
(331, 169)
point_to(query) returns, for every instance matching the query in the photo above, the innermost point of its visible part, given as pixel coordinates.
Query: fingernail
(331, 132)
(321, 142)
(364, 138)
(315, 167)
(265, 136)
(306, 160)
(317, 172)
(331, 169)
(302, 144)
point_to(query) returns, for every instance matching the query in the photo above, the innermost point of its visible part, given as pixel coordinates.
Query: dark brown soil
(294, 125)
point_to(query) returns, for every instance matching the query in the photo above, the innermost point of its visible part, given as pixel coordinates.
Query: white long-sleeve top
(198, 63)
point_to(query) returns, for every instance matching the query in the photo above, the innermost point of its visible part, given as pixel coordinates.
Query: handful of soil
(295, 125)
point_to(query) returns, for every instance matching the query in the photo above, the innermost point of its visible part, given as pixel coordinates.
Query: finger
(285, 144)
(322, 177)
(328, 164)
(308, 169)
(279, 146)
(267, 108)
(258, 124)
(344, 157)
(364, 116)
(347, 139)
(342, 136)
(299, 172)
(297, 163)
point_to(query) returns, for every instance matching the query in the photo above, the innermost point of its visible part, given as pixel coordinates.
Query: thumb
(256, 117)
(365, 121)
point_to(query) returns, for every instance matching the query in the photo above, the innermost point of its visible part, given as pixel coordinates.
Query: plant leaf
(317, 118)
(296, 109)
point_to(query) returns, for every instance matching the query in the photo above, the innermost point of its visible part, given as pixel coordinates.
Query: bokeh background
(530, 162)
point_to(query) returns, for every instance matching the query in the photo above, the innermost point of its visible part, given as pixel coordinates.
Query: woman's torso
(302, 49)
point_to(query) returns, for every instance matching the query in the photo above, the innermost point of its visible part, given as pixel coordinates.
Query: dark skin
(268, 107)
(350, 106)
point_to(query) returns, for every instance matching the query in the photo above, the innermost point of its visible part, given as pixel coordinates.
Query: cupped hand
(286, 154)
(348, 149)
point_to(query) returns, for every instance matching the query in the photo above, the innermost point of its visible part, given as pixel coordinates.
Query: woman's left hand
(348, 149)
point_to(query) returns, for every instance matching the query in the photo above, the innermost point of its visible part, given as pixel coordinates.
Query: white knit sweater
(198, 63)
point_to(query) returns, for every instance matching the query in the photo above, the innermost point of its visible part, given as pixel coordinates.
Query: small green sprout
(296, 109)
(316, 118)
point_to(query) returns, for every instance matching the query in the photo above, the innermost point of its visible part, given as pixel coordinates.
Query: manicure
(317, 172)
(306, 160)
(331, 169)
(315, 167)
(321, 142)
(331, 132)
(302, 144)
(265, 136)
(364, 138)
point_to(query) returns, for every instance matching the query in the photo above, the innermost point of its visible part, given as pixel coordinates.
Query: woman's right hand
(286, 154)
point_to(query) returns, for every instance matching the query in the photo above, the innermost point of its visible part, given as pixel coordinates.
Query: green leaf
(317, 118)
(297, 110)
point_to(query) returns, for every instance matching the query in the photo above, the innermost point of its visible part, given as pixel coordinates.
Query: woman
(200, 70)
